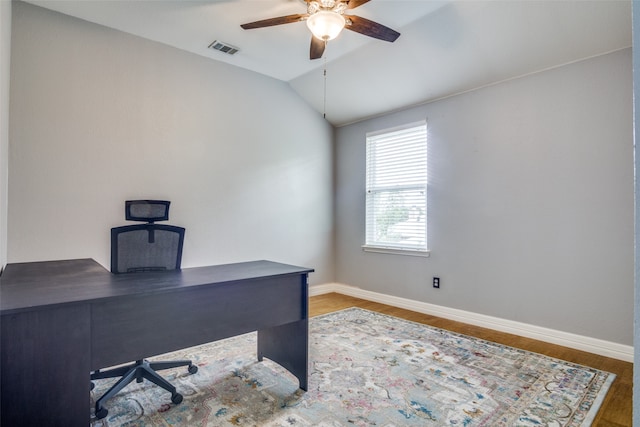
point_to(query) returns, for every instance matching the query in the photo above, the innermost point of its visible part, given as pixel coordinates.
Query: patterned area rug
(367, 369)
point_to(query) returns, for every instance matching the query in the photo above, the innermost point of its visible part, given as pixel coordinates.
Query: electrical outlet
(436, 282)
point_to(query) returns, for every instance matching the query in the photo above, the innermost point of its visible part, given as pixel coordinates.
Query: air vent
(223, 47)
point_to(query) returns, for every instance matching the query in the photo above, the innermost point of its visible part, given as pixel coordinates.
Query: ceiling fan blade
(317, 48)
(275, 21)
(371, 29)
(352, 4)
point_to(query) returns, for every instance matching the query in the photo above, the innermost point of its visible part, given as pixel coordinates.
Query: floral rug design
(366, 369)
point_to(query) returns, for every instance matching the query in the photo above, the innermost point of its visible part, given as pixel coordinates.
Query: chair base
(141, 369)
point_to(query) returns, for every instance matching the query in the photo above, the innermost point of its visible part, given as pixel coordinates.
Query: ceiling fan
(326, 19)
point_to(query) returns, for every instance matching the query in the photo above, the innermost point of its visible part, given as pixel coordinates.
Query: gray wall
(636, 101)
(5, 60)
(530, 202)
(99, 116)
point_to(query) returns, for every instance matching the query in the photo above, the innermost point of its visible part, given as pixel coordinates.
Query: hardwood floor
(616, 410)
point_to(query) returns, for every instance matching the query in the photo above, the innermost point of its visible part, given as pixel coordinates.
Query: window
(396, 211)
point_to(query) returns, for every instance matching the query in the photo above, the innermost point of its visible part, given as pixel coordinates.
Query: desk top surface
(34, 285)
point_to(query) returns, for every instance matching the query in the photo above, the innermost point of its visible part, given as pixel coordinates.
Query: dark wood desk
(62, 319)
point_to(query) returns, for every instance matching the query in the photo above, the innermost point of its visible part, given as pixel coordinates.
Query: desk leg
(287, 345)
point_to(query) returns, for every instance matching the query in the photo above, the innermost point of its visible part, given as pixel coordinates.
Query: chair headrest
(147, 210)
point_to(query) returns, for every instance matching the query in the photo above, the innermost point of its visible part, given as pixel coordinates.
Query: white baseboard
(578, 342)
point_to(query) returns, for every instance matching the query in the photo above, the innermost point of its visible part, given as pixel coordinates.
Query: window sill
(396, 251)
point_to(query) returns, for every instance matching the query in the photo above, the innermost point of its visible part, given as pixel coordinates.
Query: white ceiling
(446, 47)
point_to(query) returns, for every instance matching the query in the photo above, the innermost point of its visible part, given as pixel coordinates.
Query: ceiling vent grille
(223, 47)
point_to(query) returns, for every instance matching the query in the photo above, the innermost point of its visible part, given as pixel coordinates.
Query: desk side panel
(288, 345)
(143, 326)
(45, 367)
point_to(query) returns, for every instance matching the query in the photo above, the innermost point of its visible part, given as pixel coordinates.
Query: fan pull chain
(324, 105)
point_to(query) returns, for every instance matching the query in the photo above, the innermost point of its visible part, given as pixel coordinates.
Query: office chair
(136, 249)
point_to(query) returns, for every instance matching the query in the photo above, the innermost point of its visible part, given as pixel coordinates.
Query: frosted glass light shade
(326, 25)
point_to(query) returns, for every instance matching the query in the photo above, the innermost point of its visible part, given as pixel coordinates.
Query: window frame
(370, 191)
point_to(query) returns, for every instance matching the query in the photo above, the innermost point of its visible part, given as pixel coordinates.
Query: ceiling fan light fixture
(326, 25)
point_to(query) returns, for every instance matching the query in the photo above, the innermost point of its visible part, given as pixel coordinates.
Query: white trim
(396, 251)
(578, 342)
(326, 288)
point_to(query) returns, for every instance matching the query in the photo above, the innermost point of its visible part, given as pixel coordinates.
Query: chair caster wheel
(176, 398)
(102, 413)
(193, 369)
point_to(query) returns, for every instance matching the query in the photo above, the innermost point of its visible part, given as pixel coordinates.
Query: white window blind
(396, 211)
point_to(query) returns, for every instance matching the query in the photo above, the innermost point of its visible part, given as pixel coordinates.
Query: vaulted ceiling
(446, 47)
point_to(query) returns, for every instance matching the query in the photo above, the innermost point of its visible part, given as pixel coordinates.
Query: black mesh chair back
(146, 247)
